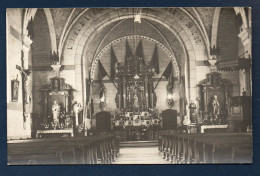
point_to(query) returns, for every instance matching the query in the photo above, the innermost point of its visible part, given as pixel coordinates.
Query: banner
(113, 62)
(155, 62)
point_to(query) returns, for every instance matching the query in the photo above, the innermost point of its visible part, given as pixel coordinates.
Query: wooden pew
(81, 150)
(207, 148)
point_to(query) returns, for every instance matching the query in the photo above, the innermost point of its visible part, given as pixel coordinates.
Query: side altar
(215, 95)
(57, 117)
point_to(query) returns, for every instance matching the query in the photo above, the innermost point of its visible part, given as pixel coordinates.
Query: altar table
(203, 127)
(63, 131)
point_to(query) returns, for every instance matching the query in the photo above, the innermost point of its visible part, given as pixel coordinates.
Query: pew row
(78, 150)
(183, 148)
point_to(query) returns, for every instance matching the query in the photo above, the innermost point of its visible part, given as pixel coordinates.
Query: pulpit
(240, 112)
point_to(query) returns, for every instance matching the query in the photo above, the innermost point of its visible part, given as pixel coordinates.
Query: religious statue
(136, 103)
(76, 109)
(102, 96)
(215, 107)
(56, 112)
(193, 115)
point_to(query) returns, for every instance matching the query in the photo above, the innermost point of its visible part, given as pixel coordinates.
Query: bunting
(168, 71)
(139, 50)
(113, 61)
(155, 62)
(102, 71)
(128, 52)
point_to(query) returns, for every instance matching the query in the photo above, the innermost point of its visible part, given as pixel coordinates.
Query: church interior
(129, 85)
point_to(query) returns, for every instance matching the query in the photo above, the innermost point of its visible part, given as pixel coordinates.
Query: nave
(129, 85)
(171, 148)
(144, 152)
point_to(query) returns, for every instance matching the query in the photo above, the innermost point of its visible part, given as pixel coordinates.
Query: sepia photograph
(148, 85)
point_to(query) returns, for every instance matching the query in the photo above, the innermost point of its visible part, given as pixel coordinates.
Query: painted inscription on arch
(179, 15)
(182, 18)
(76, 30)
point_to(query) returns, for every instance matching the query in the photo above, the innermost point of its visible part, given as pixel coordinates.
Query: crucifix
(25, 73)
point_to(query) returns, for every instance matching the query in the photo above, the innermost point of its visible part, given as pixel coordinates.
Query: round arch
(171, 56)
(84, 30)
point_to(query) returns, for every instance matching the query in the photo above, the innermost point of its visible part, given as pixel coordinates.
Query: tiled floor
(140, 155)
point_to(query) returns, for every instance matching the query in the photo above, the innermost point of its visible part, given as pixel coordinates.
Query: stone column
(245, 75)
(146, 93)
(124, 93)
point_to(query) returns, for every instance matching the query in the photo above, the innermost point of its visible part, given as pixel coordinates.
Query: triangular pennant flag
(102, 71)
(128, 52)
(139, 50)
(168, 71)
(113, 62)
(155, 62)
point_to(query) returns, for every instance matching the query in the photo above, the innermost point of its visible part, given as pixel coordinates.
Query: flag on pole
(113, 61)
(128, 52)
(139, 50)
(155, 62)
(102, 71)
(168, 71)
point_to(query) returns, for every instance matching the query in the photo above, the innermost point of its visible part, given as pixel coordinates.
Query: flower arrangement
(45, 126)
(80, 128)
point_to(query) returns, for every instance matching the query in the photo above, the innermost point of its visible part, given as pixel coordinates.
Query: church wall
(15, 125)
(228, 44)
(41, 49)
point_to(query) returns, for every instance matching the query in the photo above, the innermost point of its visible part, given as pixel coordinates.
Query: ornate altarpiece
(135, 86)
(212, 86)
(57, 91)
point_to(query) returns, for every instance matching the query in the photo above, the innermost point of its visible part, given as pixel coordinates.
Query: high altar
(135, 99)
(135, 86)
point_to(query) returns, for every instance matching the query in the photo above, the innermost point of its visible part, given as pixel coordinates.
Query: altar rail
(181, 148)
(78, 150)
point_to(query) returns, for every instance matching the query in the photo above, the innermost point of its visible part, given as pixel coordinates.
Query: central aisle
(140, 155)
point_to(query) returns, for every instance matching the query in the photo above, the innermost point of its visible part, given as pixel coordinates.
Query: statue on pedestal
(56, 112)
(215, 107)
(136, 103)
(77, 108)
(193, 115)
